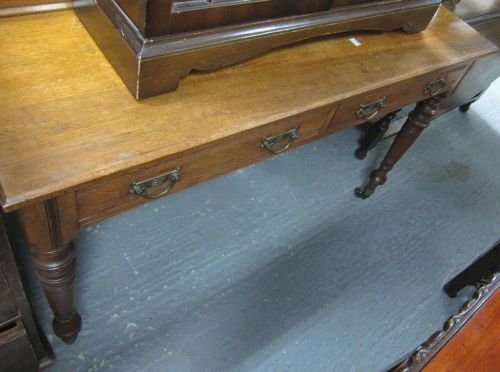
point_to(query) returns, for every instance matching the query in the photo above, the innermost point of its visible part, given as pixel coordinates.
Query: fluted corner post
(417, 121)
(49, 228)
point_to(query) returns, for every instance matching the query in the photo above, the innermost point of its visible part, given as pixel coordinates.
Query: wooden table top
(67, 118)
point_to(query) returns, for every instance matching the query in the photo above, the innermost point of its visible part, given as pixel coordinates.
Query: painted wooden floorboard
(278, 267)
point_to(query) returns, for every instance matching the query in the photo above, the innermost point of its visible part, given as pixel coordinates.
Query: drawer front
(16, 352)
(374, 105)
(114, 194)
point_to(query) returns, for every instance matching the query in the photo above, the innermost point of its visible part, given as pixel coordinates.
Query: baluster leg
(49, 228)
(374, 135)
(417, 121)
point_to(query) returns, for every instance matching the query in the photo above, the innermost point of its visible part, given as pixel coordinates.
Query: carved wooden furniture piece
(49, 228)
(153, 44)
(10, 8)
(469, 339)
(23, 346)
(484, 16)
(484, 266)
(77, 148)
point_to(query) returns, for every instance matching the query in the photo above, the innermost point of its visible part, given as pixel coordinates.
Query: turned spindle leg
(49, 228)
(417, 121)
(374, 134)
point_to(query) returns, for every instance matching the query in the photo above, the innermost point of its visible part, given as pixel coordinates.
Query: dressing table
(76, 147)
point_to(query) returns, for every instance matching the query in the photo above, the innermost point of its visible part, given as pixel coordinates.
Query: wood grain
(16, 3)
(475, 346)
(11, 8)
(71, 121)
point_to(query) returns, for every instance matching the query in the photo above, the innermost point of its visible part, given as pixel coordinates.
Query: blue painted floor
(278, 267)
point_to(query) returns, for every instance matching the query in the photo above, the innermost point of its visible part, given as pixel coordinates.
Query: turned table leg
(417, 121)
(374, 135)
(49, 228)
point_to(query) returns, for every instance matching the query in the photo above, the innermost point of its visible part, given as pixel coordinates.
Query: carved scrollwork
(425, 352)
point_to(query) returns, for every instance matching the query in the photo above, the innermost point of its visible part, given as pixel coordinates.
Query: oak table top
(67, 119)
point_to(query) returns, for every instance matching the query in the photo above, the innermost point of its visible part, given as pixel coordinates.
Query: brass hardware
(269, 142)
(369, 111)
(141, 188)
(435, 87)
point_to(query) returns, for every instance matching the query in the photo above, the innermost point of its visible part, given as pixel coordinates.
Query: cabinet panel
(189, 15)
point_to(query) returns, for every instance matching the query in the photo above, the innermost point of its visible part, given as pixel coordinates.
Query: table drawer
(16, 351)
(116, 193)
(376, 104)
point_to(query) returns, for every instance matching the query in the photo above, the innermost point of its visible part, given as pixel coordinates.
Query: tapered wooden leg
(374, 135)
(417, 121)
(466, 107)
(49, 228)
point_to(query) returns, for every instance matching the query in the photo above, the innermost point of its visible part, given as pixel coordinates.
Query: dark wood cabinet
(153, 44)
(23, 346)
(169, 17)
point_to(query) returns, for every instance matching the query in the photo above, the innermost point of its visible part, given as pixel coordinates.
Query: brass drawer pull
(141, 188)
(268, 143)
(370, 110)
(435, 87)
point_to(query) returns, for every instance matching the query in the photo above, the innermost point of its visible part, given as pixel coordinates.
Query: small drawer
(162, 177)
(374, 105)
(16, 351)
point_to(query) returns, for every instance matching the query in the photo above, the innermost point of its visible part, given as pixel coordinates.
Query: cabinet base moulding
(155, 65)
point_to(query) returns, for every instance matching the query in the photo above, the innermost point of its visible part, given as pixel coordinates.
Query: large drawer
(113, 194)
(16, 352)
(374, 105)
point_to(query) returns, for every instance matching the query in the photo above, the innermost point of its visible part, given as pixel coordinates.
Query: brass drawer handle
(268, 143)
(141, 188)
(435, 87)
(370, 110)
